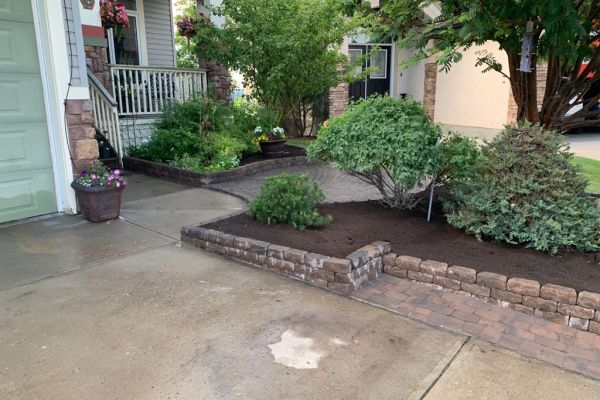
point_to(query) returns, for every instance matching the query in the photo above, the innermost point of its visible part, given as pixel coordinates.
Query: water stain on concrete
(296, 352)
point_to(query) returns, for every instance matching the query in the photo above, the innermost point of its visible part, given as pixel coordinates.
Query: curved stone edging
(560, 304)
(340, 275)
(192, 178)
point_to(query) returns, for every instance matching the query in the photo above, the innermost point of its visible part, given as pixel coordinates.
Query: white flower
(277, 130)
(258, 129)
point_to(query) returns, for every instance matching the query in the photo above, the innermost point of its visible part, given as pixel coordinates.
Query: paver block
(462, 274)
(505, 295)
(579, 323)
(539, 303)
(389, 260)
(315, 260)
(294, 255)
(575, 311)
(589, 300)
(396, 271)
(559, 293)
(344, 288)
(475, 289)
(491, 280)
(358, 258)
(447, 283)
(420, 276)
(383, 246)
(525, 287)
(435, 268)
(552, 316)
(521, 308)
(594, 327)
(337, 265)
(276, 251)
(408, 262)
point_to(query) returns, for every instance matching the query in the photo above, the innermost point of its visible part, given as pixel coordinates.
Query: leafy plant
(291, 199)
(97, 174)
(525, 190)
(288, 51)
(392, 144)
(201, 134)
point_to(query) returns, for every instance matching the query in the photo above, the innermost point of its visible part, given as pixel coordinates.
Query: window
(379, 62)
(355, 55)
(124, 46)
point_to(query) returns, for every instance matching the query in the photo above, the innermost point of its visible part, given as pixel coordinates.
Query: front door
(26, 177)
(377, 81)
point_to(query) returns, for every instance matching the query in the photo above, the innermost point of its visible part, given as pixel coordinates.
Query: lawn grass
(300, 142)
(591, 169)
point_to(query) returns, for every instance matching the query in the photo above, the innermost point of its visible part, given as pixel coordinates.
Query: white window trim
(387, 55)
(53, 59)
(140, 35)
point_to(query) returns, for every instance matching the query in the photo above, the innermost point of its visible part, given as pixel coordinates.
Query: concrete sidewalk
(120, 311)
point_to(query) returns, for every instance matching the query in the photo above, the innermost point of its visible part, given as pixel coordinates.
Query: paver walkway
(533, 337)
(337, 185)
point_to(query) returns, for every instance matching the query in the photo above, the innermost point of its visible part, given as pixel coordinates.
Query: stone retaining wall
(340, 275)
(555, 303)
(193, 178)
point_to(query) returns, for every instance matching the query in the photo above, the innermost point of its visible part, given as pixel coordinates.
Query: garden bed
(249, 166)
(359, 224)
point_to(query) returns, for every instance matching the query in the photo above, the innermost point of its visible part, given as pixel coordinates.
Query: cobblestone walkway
(338, 186)
(556, 344)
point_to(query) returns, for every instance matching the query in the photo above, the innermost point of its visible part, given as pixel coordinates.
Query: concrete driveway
(120, 311)
(585, 145)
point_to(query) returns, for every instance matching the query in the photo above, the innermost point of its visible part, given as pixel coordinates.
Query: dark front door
(377, 81)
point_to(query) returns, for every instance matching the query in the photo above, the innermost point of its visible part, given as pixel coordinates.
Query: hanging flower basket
(114, 16)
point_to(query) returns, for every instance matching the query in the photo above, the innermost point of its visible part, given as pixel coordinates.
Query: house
(463, 99)
(63, 77)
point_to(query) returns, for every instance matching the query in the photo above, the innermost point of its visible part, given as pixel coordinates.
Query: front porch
(125, 112)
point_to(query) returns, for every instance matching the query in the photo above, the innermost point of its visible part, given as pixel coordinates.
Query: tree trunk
(524, 89)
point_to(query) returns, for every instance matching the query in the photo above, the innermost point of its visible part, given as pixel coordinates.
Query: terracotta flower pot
(98, 203)
(273, 148)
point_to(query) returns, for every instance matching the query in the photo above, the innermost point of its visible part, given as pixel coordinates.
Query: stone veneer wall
(430, 89)
(96, 59)
(338, 99)
(219, 79)
(340, 275)
(80, 124)
(555, 303)
(541, 75)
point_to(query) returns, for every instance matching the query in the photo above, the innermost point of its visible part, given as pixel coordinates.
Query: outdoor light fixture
(526, 49)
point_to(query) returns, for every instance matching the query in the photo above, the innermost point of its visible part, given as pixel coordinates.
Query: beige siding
(158, 19)
(467, 97)
(74, 42)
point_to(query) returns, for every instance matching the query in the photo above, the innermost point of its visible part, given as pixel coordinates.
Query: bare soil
(357, 224)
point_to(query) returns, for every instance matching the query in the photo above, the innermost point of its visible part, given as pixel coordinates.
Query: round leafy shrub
(291, 199)
(525, 190)
(393, 145)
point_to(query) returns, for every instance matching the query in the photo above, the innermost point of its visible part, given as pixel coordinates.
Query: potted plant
(98, 192)
(271, 143)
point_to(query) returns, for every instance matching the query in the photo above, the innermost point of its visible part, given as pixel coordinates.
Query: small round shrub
(525, 190)
(290, 199)
(393, 145)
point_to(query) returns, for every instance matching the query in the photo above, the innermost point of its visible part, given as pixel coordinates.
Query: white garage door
(26, 178)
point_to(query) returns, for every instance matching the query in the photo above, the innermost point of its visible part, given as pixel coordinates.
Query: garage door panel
(16, 51)
(25, 194)
(21, 98)
(26, 174)
(24, 147)
(16, 10)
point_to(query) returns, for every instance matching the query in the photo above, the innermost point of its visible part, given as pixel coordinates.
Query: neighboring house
(62, 76)
(464, 99)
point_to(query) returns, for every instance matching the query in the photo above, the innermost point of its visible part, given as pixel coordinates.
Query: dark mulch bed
(357, 224)
(290, 151)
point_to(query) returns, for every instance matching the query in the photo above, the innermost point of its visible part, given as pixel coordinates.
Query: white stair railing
(146, 91)
(106, 115)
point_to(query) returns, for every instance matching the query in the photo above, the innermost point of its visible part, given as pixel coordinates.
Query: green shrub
(291, 199)
(393, 145)
(524, 190)
(201, 134)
